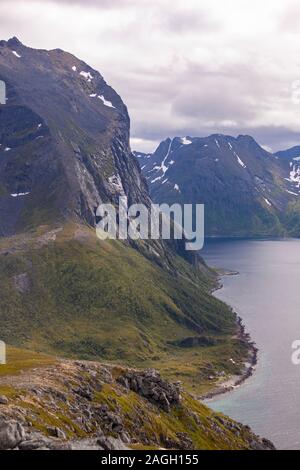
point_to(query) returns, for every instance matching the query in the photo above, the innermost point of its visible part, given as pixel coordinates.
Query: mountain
(289, 154)
(64, 136)
(246, 190)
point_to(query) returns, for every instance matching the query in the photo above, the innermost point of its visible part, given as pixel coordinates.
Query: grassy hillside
(66, 292)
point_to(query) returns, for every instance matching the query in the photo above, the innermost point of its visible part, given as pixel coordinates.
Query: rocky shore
(248, 368)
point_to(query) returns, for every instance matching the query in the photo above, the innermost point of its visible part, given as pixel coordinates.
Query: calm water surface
(266, 294)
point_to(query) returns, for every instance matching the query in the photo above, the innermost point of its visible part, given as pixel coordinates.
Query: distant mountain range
(247, 191)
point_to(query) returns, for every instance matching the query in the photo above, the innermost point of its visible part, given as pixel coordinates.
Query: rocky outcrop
(14, 437)
(91, 406)
(11, 434)
(150, 385)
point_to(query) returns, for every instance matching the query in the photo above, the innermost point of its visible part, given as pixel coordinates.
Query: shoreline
(234, 381)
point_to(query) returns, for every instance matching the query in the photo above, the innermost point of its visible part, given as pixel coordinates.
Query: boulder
(3, 400)
(11, 434)
(56, 432)
(150, 385)
(111, 443)
(32, 444)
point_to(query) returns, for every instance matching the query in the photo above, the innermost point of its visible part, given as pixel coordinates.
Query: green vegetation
(20, 360)
(90, 299)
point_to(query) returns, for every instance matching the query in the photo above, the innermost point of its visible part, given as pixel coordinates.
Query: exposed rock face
(150, 385)
(246, 190)
(64, 140)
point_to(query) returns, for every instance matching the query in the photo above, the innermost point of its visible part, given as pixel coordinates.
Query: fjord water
(266, 294)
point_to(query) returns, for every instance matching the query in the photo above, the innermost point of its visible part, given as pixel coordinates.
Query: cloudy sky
(183, 67)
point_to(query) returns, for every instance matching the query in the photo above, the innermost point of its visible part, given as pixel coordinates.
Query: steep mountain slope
(245, 190)
(64, 136)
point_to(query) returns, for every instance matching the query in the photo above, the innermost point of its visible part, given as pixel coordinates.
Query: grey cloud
(174, 64)
(184, 21)
(289, 21)
(275, 137)
(107, 4)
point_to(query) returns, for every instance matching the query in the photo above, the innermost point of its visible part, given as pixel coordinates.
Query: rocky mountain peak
(14, 41)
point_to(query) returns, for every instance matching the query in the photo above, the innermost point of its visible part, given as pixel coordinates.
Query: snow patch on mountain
(185, 141)
(20, 194)
(267, 202)
(295, 175)
(16, 54)
(240, 162)
(87, 75)
(156, 179)
(106, 102)
(292, 192)
(163, 166)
